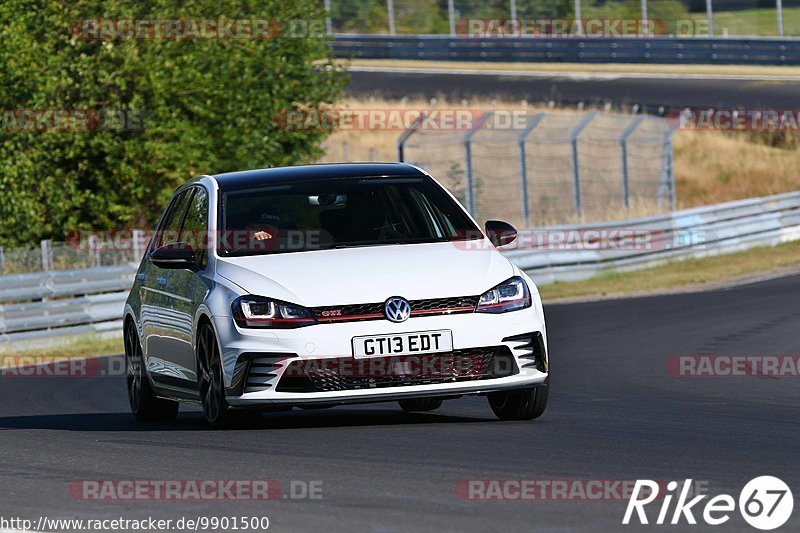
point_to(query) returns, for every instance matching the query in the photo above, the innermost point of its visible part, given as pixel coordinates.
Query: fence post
(390, 12)
(623, 141)
(666, 182)
(644, 26)
(137, 236)
(401, 142)
(451, 17)
(523, 165)
(576, 173)
(328, 21)
(94, 250)
(47, 254)
(468, 160)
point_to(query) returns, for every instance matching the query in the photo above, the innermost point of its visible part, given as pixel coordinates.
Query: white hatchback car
(322, 285)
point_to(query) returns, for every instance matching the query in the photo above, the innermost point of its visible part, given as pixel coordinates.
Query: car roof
(248, 178)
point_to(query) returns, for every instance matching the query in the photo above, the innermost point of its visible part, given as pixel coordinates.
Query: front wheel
(145, 405)
(212, 389)
(525, 404)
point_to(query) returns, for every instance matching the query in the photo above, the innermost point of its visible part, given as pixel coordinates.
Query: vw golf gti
(322, 285)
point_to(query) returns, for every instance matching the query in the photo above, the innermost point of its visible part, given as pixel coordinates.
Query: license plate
(421, 342)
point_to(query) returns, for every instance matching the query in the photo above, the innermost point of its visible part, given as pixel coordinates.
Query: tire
(217, 412)
(525, 404)
(421, 404)
(145, 405)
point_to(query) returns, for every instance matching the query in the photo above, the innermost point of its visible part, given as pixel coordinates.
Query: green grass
(691, 272)
(83, 346)
(763, 22)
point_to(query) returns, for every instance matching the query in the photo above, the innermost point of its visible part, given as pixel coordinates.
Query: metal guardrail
(57, 303)
(690, 233)
(91, 300)
(694, 50)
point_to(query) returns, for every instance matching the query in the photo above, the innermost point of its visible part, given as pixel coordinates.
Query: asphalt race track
(649, 93)
(615, 414)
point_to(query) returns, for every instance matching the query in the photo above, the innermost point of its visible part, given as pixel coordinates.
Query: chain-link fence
(554, 168)
(87, 253)
(688, 17)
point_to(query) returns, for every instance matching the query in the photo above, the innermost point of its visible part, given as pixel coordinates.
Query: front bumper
(255, 361)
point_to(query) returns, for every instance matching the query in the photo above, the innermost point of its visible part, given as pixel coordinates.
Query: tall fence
(91, 252)
(552, 168)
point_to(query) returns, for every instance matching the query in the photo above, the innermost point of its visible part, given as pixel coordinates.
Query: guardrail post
(401, 142)
(468, 159)
(623, 141)
(2, 260)
(576, 173)
(47, 254)
(523, 165)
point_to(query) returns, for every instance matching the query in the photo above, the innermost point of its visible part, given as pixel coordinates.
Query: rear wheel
(145, 406)
(524, 404)
(421, 404)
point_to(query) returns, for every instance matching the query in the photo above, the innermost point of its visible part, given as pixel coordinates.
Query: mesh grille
(374, 311)
(346, 373)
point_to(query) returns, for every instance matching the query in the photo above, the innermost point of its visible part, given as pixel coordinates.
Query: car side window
(169, 230)
(195, 226)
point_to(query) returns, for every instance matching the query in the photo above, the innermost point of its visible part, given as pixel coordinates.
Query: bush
(206, 106)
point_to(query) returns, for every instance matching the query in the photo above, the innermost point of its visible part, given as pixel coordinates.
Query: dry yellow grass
(712, 167)
(585, 68)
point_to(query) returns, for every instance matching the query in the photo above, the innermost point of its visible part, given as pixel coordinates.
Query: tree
(193, 106)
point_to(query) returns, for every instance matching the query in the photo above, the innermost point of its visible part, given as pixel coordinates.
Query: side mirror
(175, 255)
(500, 233)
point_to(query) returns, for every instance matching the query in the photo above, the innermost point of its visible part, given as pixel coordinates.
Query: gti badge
(397, 309)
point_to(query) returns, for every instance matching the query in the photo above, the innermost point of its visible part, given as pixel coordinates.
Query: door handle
(162, 281)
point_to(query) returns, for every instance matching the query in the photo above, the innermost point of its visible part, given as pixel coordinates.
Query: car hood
(369, 274)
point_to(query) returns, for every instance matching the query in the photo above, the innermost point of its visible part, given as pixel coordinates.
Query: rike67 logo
(765, 503)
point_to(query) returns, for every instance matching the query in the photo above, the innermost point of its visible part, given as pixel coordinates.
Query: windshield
(339, 213)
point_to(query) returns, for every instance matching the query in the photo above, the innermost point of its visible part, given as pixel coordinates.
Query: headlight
(259, 312)
(510, 295)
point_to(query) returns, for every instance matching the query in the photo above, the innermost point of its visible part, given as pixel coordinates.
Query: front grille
(374, 311)
(347, 373)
